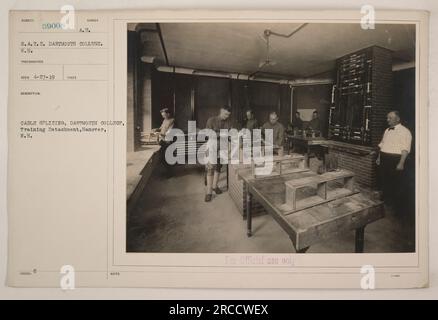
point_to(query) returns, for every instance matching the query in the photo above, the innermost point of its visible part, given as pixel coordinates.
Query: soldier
(216, 123)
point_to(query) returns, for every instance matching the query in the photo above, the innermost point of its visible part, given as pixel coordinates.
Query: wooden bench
(317, 223)
(281, 165)
(343, 185)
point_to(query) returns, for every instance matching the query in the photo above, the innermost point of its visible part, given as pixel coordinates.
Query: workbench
(139, 167)
(316, 223)
(310, 146)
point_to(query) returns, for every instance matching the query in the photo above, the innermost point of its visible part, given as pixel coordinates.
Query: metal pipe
(292, 82)
(268, 32)
(291, 104)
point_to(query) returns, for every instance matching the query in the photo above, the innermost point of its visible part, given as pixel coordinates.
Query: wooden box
(310, 191)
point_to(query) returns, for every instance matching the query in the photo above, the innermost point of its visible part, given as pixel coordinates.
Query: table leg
(248, 212)
(360, 235)
(228, 170)
(304, 250)
(308, 156)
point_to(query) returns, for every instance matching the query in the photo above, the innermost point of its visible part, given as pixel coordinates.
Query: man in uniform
(216, 123)
(298, 122)
(315, 124)
(251, 121)
(278, 131)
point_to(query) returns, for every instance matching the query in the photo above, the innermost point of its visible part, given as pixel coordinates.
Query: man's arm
(378, 157)
(380, 147)
(407, 140)
(280, 137)
(209, 124)
(401, 164)
(166, 128)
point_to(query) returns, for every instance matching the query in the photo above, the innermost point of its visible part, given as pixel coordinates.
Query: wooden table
(308, 145)
(315, 224)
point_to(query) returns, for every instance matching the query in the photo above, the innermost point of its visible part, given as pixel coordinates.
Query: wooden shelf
(311, 191)
(282, 165)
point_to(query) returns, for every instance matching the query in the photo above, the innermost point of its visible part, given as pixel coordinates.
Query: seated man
(278, 131)
(251, 121)
(297, 122)
(315, 124)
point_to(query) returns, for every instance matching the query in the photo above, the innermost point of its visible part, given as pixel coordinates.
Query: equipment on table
(150, 138)
(280, 165)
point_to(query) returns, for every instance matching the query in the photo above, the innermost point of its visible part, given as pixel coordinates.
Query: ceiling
(241, 47)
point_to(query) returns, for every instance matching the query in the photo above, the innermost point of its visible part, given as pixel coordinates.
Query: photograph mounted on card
(204, 149)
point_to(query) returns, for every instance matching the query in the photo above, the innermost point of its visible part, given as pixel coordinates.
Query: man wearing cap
(216, 123)
(394, 150)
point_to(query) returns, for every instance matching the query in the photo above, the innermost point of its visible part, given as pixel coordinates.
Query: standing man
(278, 131)
(394, 149)
(167, 124)
(216, 123)
(251, 121)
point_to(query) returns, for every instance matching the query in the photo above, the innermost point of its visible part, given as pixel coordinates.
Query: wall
(145, 96)
(180, 93)
(382, 93)
(130, 120)
(139, 94)
(404, 102)
(358, 160)
(404, 97)
(210, 93)
(314, 97)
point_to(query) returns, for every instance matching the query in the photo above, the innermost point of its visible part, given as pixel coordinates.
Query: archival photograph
(271, 138)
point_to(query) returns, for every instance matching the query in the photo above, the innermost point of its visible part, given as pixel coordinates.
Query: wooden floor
(171, 216)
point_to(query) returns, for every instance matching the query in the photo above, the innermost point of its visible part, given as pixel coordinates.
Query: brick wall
(382, 89)
(237, 191)
(357, 159)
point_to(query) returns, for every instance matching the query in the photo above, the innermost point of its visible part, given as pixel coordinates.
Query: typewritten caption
(29, 129)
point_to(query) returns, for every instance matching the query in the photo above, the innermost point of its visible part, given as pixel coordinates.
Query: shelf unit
(281, 165)
(362, 96)
(324, 188)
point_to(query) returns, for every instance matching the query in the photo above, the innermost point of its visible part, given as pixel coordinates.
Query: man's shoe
(217, 190)
(207, 197)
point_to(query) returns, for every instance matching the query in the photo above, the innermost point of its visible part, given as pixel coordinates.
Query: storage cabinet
(362, 96)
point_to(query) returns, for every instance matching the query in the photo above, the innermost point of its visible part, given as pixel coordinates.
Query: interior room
(331, 86)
